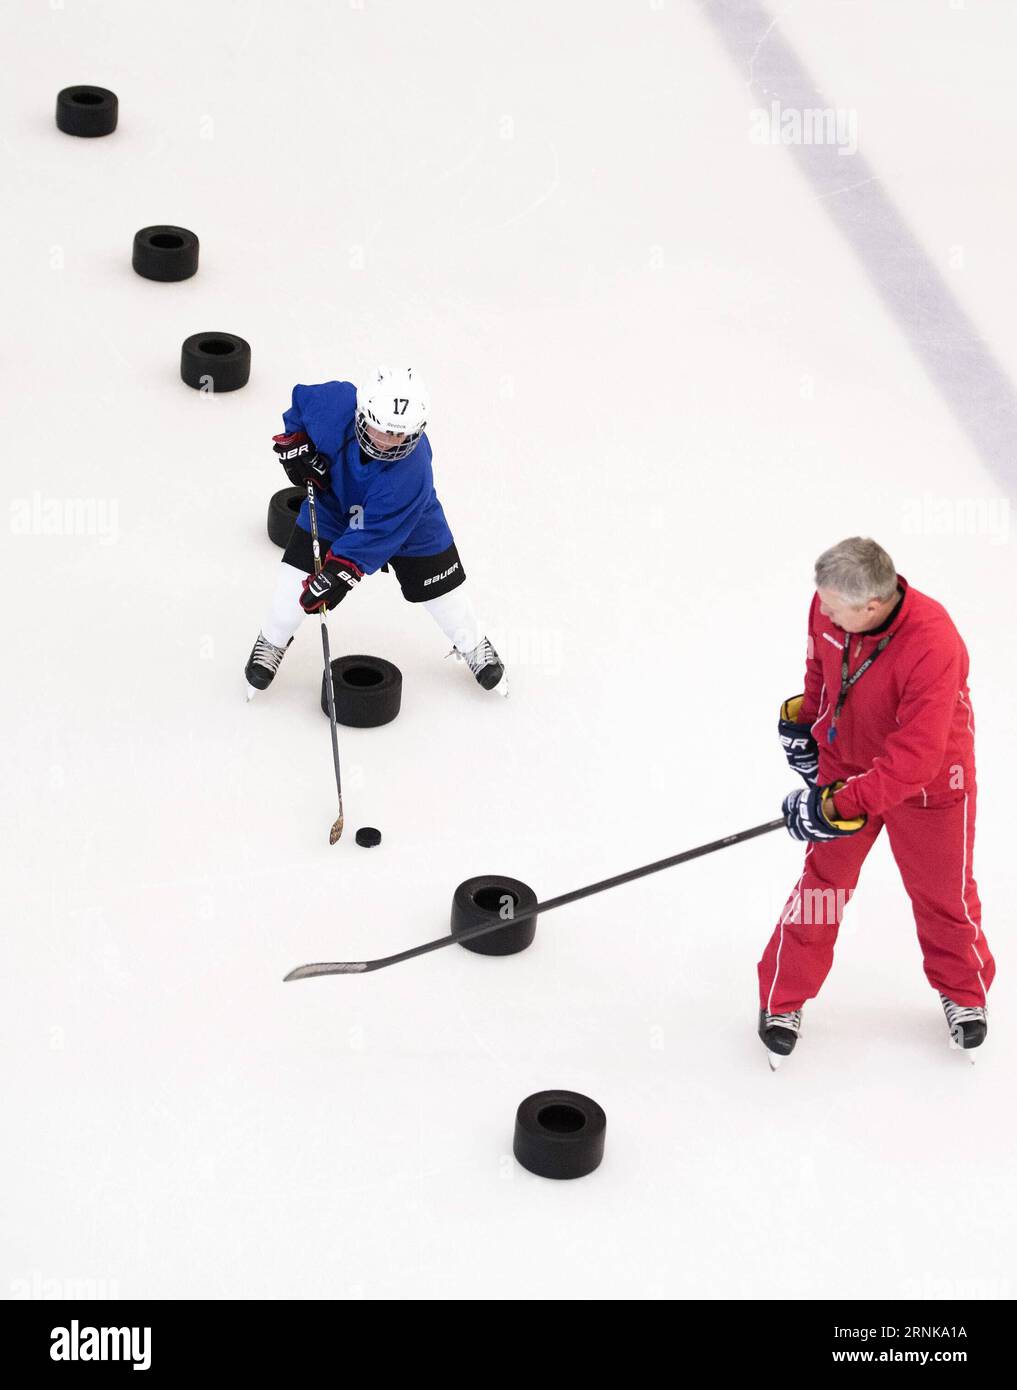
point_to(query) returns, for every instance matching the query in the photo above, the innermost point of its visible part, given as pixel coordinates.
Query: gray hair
(858, 569)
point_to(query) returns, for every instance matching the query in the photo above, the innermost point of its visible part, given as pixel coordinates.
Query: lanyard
(846, 683)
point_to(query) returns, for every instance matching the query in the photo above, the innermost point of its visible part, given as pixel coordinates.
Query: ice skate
(486, 666)
(262, 665)
(968, 1025)
(779, 1033)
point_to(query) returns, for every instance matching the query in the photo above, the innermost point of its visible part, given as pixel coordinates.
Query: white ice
(663, 381)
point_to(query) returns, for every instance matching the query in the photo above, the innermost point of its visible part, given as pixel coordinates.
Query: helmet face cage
(401, 449)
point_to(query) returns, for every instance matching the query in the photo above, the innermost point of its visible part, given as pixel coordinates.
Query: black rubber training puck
(368, 836)
(215, 361)
(165, 253)
(282, 514)
(487, 898)
(86, 111)
(559, 1134)
(368, 691)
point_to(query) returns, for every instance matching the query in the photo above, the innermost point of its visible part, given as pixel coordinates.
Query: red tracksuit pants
(933, 849)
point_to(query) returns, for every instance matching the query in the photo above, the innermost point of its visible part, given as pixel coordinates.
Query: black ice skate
(262, 665)
(968, 1026)
(779, 1033)
(486, 666)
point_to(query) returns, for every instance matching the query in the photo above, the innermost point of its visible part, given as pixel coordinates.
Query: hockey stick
(359, 967)
(337, 828)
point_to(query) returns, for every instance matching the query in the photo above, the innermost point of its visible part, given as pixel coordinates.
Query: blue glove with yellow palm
(806, 815)
(800, 748)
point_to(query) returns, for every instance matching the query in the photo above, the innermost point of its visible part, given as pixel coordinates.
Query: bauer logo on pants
(437, 578)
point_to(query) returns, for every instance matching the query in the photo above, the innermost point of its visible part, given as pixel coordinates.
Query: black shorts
(420, 576)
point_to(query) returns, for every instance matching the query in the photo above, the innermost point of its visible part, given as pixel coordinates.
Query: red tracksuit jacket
(906, 731)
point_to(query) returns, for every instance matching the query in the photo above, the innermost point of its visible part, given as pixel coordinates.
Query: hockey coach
(882, 735)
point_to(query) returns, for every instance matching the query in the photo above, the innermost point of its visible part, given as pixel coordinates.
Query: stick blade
(327, 967)
(336, 831)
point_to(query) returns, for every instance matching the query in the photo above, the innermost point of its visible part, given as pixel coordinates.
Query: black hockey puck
(368, 691)
(86, 111)
(487, 898)
(282, 514)
(559, 1134)
(215, 362)
(368, 836)
(165, 253)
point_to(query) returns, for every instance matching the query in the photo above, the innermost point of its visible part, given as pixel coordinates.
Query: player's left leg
(437, 583)
(933, 846)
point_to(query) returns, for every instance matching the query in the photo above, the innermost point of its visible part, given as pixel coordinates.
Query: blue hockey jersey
(379, 509)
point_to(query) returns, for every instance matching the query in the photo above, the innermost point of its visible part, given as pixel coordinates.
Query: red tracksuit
(905, 749)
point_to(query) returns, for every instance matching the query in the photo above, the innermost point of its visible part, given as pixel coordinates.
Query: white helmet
(391, 401)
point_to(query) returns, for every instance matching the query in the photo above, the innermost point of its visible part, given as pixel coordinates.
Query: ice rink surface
(665, 375)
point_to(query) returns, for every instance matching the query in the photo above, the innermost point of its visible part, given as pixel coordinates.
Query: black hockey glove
(805, 815)
(325, 590)
(300, 459)
(800, 748)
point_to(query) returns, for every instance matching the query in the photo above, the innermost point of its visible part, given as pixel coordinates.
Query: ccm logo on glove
(331, 585)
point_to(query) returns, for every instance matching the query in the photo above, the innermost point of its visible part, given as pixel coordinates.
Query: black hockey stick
(359, 967)
(337, 828)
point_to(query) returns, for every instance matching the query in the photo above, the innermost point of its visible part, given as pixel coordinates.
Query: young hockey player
(370, 461)
(883, 735)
